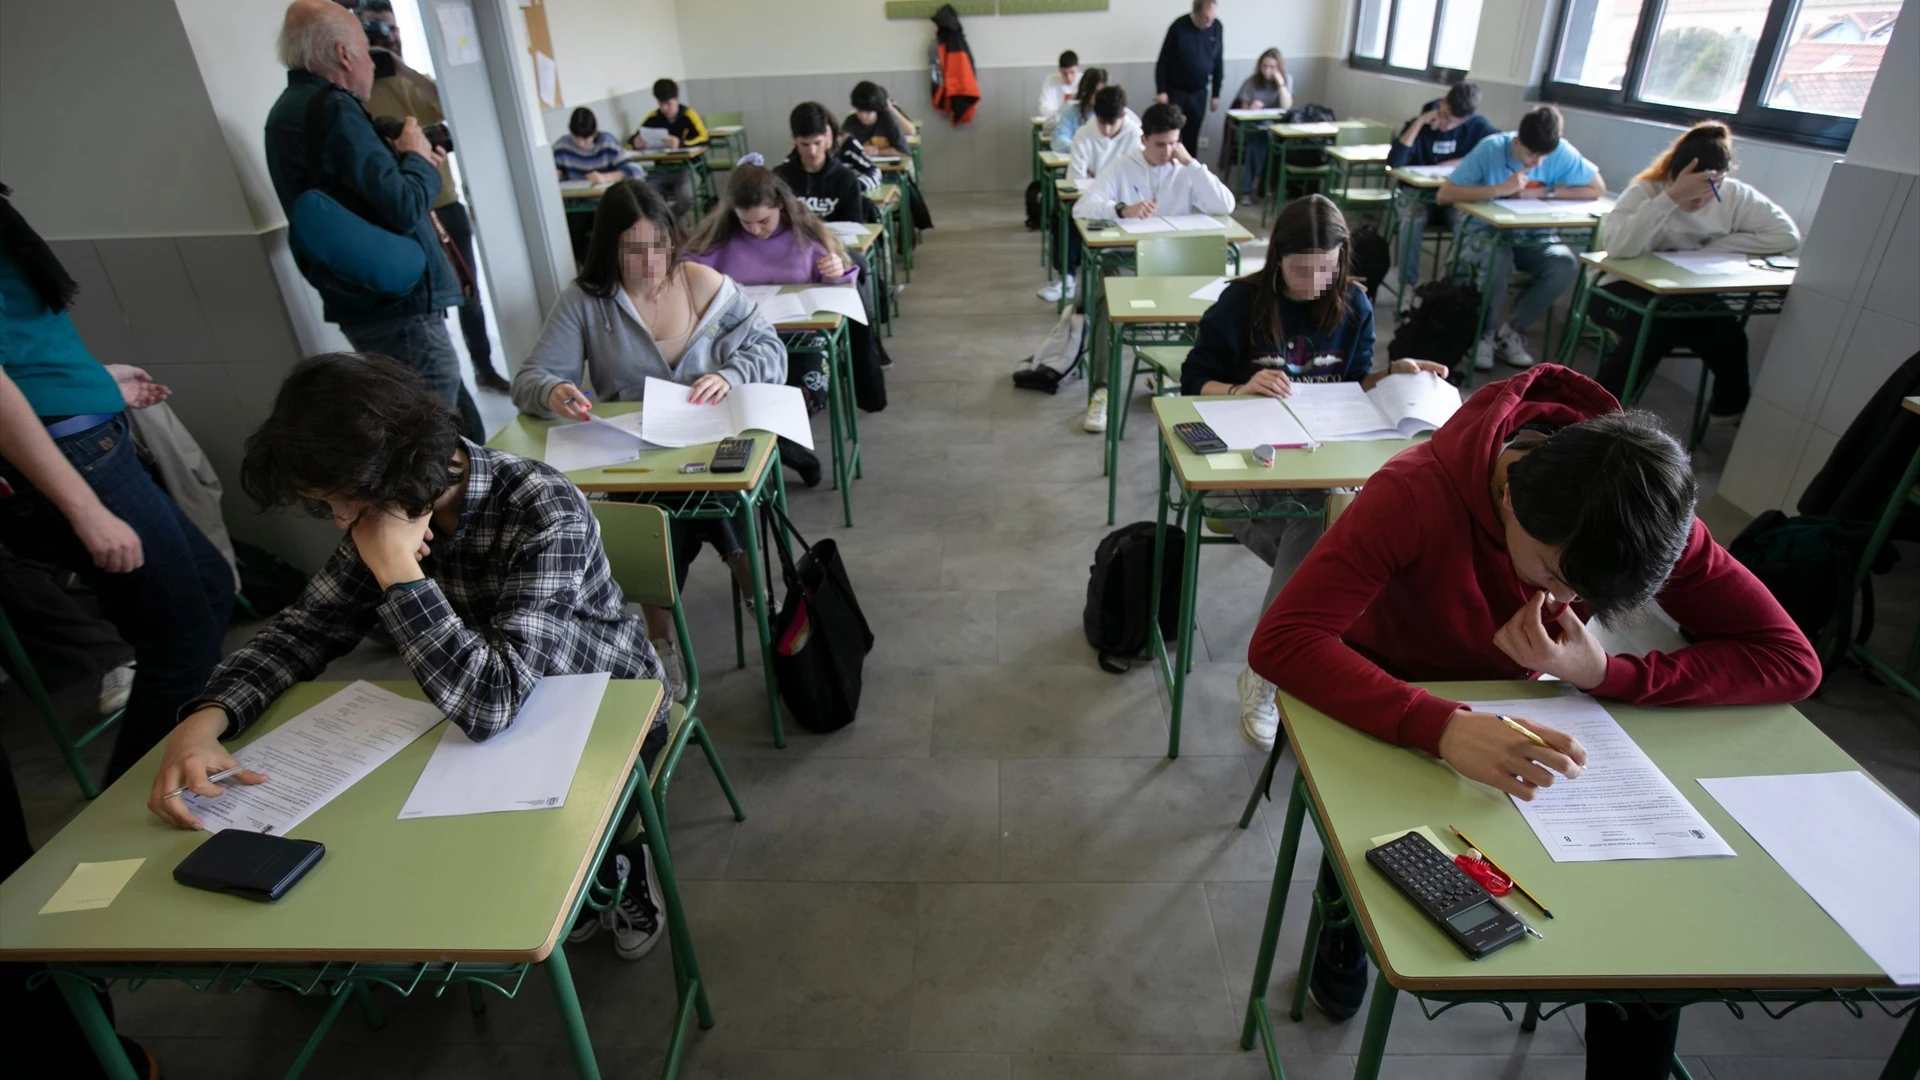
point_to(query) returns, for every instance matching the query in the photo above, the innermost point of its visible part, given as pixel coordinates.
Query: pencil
(1507, 720)
(1522, 889)
(626, 468)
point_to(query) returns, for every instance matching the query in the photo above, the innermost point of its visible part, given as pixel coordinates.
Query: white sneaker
(674, 665)
(1096, 418)
(1052, 290)
(636, 921)
(1259, 716)
(1510, 347)
(115, 687)
(1483, 355)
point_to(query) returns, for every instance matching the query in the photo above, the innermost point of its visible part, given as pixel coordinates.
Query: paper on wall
(458, 33)
(547, 77)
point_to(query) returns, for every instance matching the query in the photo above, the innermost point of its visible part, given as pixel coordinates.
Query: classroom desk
(688, 497)
(1062, 194)
(1039, 144)
(825, 334)
(1141, 312)
(1248, 123)
(1904, 495)
(1112, 249)
(1677, 294)
(1293, 137)
(1208, 492)
(691, 160)
(897, 217)
(383, 908)
(1736, 930)
(1495, 230)
(730, 137)
(1413, 193)
(1053, 167)
(870, 242)
(1359, 179)
(913, 147)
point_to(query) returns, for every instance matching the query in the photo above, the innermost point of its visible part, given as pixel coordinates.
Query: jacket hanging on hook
(956, 89)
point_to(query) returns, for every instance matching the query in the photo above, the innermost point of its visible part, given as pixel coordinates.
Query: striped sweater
(604, 156)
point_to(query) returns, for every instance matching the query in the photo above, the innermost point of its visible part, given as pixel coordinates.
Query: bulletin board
(546, 70)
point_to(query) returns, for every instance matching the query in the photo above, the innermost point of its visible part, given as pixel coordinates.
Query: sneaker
(1053, 290)
(1338, 982)
(635, 920)
(673, 664)
(1483, 355)
(587, 925)
(1152, 384)
(1096, 418)
(115, 687)
(1259, 715)
(1510, 348)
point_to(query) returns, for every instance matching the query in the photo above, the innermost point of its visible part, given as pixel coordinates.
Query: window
(1793, 69)
(1426, 38)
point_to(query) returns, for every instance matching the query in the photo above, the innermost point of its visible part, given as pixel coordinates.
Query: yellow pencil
(1508, 720)
(617, 468)
(1522, 889)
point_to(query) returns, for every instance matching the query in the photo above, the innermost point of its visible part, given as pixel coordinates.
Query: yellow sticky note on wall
(92, 885)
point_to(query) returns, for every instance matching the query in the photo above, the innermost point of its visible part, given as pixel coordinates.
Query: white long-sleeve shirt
(1054, 91)
(1174, 189)
(1091, 153)
(1742, 219)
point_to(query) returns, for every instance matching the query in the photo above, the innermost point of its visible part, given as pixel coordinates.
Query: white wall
(1888, 135)
(168, 171)
(234, 46)
(797, 37)
(606, 48)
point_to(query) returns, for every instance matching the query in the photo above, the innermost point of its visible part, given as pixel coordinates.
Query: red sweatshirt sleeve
(1747, 651)
(1298, 645)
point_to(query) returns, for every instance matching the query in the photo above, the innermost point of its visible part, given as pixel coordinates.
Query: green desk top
(577, 192)
(1155, 299)
(1304, 131)
(1652, 924)
(1656, 275)
(1068, 190)
(676, 156)
(1235, 233)
(481, 887)
(1419, 180)
(527, 436)
(1501, 218)
(1368, 154)
(863, 241)
(1333, 465)
(884, 195)
(726, 129)
(1051, 159)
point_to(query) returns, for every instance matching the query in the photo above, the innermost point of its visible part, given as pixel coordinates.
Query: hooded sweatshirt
(1173, 187)
(785, 258)
(1090, 152)
(1378, 602)
(833, 193)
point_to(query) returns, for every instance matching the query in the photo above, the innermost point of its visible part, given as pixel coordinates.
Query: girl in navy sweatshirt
(1302, 318)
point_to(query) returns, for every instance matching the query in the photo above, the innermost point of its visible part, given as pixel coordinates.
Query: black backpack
(1808, 563)
(1311, 114)
(1116, 615)
(1372, 259)
(1033, 205)
(267, 583)
(1438, 325)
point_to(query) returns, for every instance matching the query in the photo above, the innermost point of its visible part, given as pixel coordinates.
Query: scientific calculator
(1462, 907)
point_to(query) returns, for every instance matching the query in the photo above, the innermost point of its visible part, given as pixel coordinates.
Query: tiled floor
(994, 874)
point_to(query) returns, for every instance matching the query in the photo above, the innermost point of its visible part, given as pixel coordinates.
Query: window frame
(1444, 76)
(1751, 118)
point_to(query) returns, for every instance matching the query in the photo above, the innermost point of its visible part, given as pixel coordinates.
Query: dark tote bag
(820, 638)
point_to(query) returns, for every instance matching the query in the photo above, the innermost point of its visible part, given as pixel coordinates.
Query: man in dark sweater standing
(1191, 67)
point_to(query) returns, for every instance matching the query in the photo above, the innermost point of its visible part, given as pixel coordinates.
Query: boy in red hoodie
(1539, 505)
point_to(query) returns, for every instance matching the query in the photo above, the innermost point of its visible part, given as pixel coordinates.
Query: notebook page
(1339, 412)
(1416, 403)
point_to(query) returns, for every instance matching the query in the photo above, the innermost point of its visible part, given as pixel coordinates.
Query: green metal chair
(22, 668)
(723, 152)
(1363, 191)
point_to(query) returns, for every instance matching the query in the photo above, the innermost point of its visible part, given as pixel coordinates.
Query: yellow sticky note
(1388, 838)
(92, 885)
(1143, 303)
(1231, 460)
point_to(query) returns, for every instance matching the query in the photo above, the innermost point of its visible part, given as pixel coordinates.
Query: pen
(223, 774)
(1715, 185)
(1516, 881)
(1525, 730)
(627, 468)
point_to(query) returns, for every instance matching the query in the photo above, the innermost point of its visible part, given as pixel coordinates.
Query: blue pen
(1715, 185)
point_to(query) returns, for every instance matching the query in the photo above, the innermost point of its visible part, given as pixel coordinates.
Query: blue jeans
(1553, 268)
(1413, 227)
(1254, 177)
(173, 609)
(421, 343)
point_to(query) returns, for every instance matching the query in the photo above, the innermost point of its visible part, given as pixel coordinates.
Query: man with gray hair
(319, 137)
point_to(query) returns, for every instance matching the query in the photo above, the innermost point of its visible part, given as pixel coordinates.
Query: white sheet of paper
(1706, 262)
(1556, 207)
(1852, 846)
(312, 758)
(782, 307)
(847, 230)
(1621, 807)
(1339, 412)
(1210, 291)
(1249, 422)
(1444, 169)
(547, 78)
(1194, 223)
(653, 138)
(590, 445)
(1143, 226)
(576, 185)
(529, 766)
(1257, 114)
(668, 419)
(1416, 403)
(457, 31)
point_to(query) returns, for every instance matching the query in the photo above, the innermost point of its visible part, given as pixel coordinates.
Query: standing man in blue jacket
(391, 184)
(1191, 67)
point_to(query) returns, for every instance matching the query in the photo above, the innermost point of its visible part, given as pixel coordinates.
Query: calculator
(1462, 907)
(731, 455)
(1199, 437)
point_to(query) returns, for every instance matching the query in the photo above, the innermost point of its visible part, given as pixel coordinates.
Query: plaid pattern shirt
(522, 590)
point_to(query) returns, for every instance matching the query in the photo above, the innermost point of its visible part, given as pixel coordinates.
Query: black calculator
(1469, 914)
(731, 455)
(1199, 437)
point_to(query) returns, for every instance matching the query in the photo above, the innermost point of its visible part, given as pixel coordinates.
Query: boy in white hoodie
(1685, 201)
(1115, 130)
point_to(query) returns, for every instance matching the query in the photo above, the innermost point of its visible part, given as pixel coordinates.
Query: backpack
(1311, 114)
(1033, 205)
(267, 583)
(1372, 259)
(1115, 619)
(1438, 325)
(1808, 563)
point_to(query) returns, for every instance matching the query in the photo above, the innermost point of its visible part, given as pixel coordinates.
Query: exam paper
(1621, 807)
(1210, 291)
(1557, 207)
(780, 307)
(1258, 114)
(529, 766)
(1194, 222)
(1706, 262)
(312, 758)
(1444, 169)
(847, 230)
(1338, 412)
(1142, 226)
(91, 886)
(1852, 846)
(667, 418)
(594, 443)
(1247, 423)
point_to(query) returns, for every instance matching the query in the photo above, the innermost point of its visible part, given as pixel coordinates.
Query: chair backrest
(726, 119)
(639, 548)
(1181, 256)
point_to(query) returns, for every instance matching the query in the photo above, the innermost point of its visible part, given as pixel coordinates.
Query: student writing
(1076, 111)
(587, 153)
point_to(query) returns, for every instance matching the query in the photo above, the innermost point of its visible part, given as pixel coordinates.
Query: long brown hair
(1312, 224)
(1709, 142)
(1091, 80)
(752, 187)
(623, 206)
(1278, 84)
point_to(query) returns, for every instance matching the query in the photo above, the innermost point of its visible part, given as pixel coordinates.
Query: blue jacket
(1432, 147)
(1191, 58)
(362, 172)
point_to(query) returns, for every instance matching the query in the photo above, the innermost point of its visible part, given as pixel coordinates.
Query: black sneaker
(1043, 379)
(635, 921)
(1338, 982)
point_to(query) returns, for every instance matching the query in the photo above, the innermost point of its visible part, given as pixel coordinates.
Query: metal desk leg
(1904, 1062)
(761, 601)
(1373, 1045)
(1116, 408)
(93, 1021)
(1183, 651)
(1257, 1022)
(568, 1002)
(692, 990)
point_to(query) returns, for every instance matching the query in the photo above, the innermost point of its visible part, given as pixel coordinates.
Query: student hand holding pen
(569, 402)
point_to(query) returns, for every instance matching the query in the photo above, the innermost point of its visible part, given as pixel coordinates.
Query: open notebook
(667, 418)
(1398, 407)
(782, 307)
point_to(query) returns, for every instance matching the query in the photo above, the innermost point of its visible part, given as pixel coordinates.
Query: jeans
(473, 317)
(1413, 231)
(1721, 344)
(1253, 179)
(1194, 104)
(421, 343)
(1282, 543)
(689, 533)
(1553, 268)
(173, 609)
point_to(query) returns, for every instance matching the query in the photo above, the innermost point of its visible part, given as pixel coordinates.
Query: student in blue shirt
(1077, 111)
(1447, 129)
(1532, 163)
